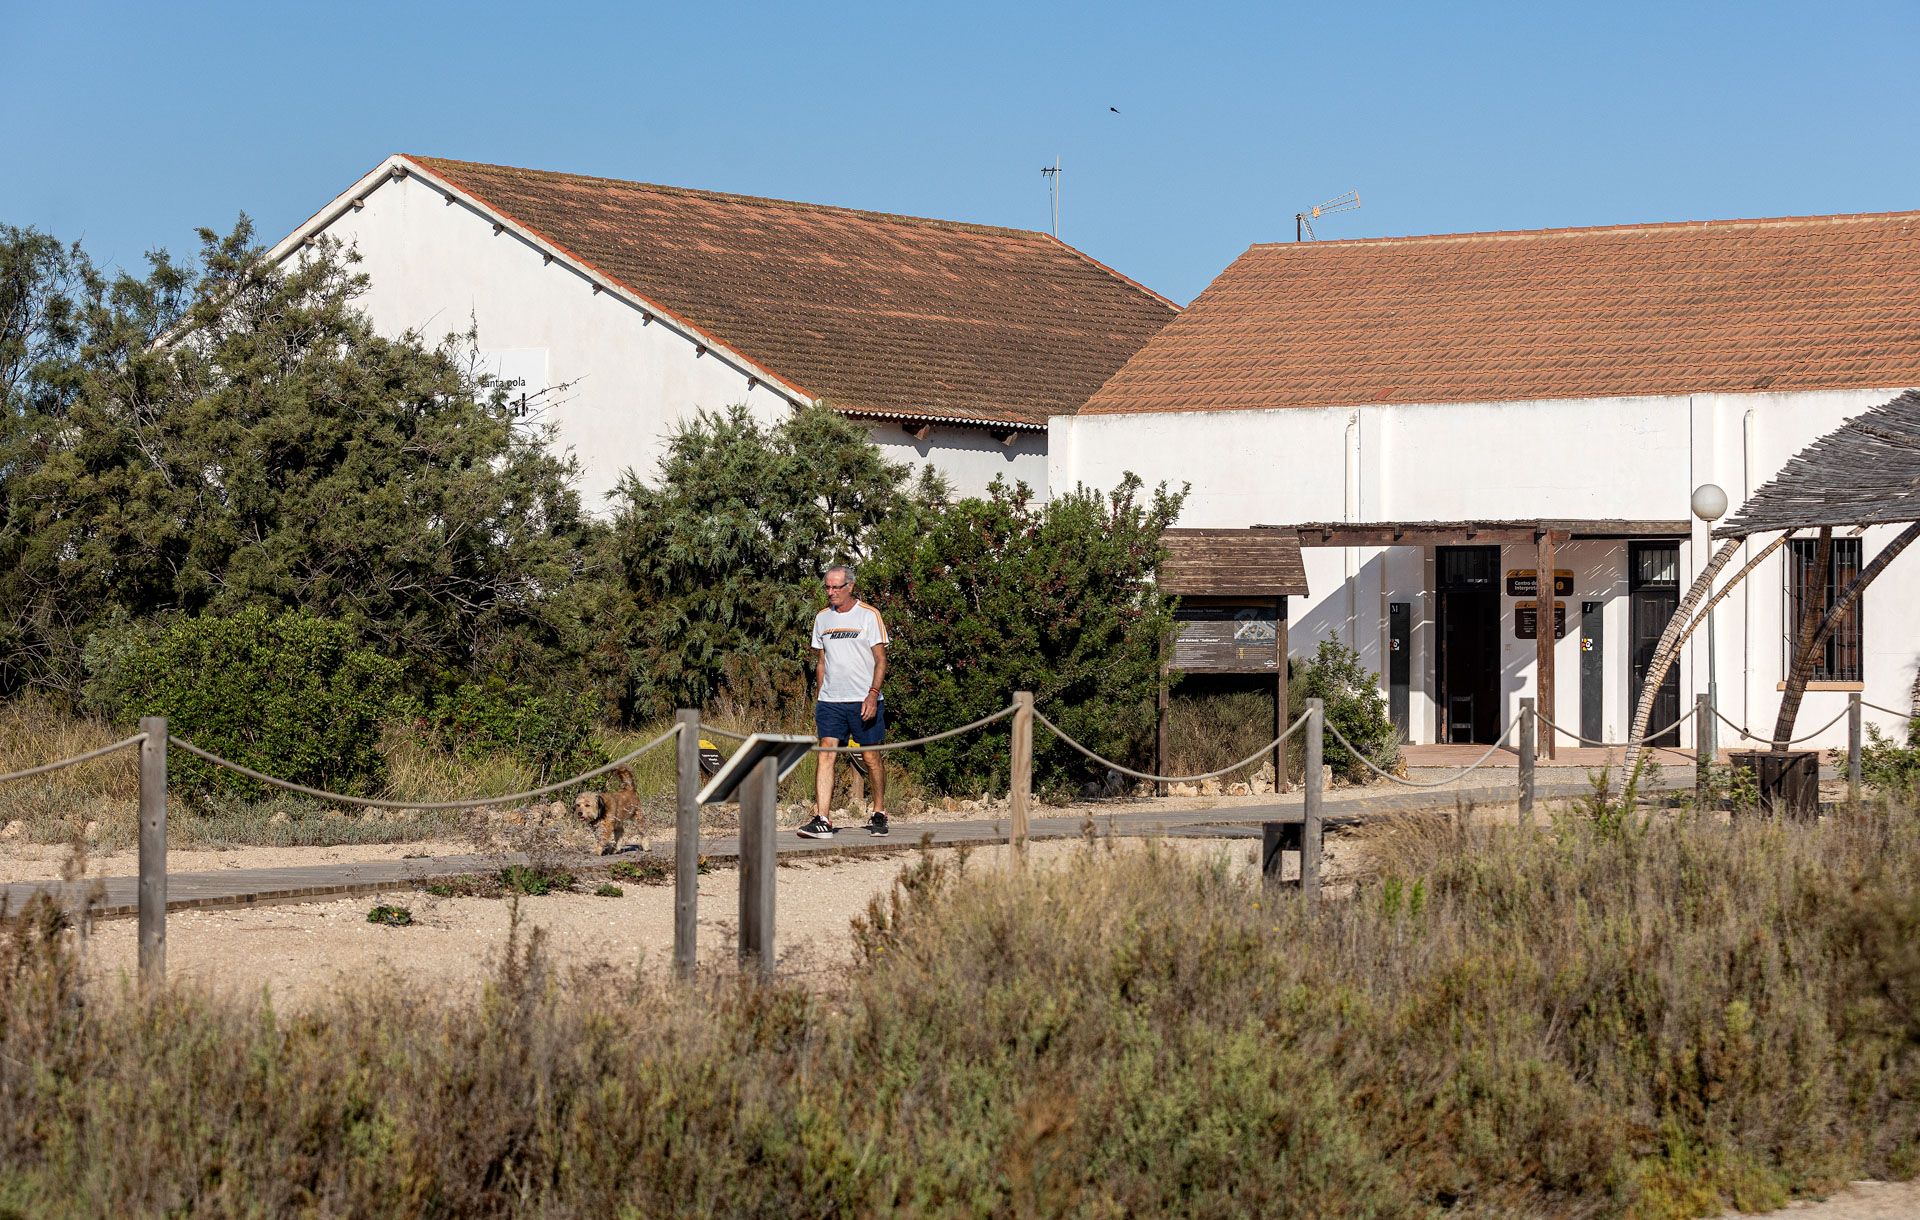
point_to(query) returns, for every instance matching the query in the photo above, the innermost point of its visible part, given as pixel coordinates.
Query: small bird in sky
(1115, 109)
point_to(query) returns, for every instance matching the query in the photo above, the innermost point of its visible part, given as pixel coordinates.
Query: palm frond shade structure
(1866, 472)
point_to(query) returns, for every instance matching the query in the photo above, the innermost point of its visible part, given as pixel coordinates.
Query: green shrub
(1889, 766)
(646, 871)
(608, 890)
(535, 879)
(552, 733)
(1354, 707)
(291, 696)
(995, 595)
(391, 916)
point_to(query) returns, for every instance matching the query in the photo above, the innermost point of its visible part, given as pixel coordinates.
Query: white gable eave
(399, 166)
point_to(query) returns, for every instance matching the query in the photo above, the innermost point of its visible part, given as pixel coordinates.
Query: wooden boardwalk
(118, 897)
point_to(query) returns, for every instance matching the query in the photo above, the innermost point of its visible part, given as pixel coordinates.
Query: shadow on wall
(1328, 618)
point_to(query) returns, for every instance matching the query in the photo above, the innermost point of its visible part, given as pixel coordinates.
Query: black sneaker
(877, 824)
(819, 828)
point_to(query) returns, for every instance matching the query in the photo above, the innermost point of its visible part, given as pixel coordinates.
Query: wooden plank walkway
(118, 897)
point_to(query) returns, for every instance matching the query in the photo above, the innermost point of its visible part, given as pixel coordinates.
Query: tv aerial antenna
(1303, 221)
(1052, 174)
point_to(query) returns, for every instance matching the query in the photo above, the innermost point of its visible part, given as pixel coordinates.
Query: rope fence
(1442, 782)
(1743, 732)
(1906, 715)
(1129, 772)
(89, 756)
(369, 802)
(1616, 745)
(757, 795)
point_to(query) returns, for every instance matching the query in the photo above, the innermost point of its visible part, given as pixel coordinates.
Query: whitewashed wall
(618, 384)
(1632, 458)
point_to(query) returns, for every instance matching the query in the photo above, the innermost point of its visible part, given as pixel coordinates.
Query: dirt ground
(297, 953)
(1859, 1201)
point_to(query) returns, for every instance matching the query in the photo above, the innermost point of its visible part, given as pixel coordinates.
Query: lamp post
(1710, 504)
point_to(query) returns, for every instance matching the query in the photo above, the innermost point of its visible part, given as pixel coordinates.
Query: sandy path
(298, 952)
(1859, 1201)
(44, 862)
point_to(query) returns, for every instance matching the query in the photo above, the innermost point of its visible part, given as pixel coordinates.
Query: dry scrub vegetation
(1648, 1020)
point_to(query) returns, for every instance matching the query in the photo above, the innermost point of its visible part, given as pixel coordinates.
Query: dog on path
(612, 813)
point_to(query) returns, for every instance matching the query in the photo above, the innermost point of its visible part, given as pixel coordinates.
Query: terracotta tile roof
(874, 313)
(1723, 306)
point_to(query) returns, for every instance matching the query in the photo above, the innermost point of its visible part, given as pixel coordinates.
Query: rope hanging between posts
(1616, 745)
(1792, 741)
(378, 803)
(1424, 783)
(1259, 754)
(1907, 715)
(43, 768)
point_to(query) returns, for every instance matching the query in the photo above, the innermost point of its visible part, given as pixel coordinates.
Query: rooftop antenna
(1303, 221)
(1052, 174)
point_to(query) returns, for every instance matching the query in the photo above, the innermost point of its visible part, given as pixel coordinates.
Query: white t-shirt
(848, 639)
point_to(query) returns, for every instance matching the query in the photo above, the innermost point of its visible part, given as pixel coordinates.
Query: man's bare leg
(823, 777)
(878, 776)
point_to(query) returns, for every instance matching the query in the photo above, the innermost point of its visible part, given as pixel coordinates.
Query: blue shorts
(841, 721)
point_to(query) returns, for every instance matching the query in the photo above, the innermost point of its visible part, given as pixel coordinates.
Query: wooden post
(1703, 750)
(1023, 770)
(1163, 704)
(1853, 749)
(1282, 700)
(686, 844)
(153, 851)
(757, 864)
(1543, 639)
(1310, 828)
(1527, 721)
(1276, 840)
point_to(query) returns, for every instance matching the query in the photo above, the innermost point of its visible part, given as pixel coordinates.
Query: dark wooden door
(1653, 585)
(1467, 661)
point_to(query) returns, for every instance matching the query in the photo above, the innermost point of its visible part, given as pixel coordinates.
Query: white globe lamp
(1710, 504)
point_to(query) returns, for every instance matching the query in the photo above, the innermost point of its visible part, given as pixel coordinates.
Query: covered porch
(1459, 615)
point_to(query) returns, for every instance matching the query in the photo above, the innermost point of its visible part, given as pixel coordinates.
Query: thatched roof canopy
(1865, 473)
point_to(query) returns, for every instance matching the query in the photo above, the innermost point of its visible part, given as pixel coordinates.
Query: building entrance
(1467, 661)
(1653, 594)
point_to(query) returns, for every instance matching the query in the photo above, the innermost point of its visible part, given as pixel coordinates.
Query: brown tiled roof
(1723, 306)
(874, 313)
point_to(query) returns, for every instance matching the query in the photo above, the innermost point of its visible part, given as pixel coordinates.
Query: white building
(1454, 397)
(623, 308)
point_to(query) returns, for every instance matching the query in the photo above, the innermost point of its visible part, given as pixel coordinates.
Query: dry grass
(1579, 1020)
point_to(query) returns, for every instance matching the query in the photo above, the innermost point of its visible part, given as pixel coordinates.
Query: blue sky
(127, 126)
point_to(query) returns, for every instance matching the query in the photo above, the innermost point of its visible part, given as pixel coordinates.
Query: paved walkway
(118, 897)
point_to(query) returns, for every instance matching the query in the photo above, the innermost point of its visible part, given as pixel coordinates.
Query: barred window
(1839, 661)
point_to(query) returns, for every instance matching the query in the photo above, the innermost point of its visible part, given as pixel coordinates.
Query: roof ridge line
(737, 197)
(1760, 222)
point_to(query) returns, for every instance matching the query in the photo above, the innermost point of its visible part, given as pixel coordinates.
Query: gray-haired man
(850, 647)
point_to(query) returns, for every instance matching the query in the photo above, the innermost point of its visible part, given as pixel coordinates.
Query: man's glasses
(839, 586)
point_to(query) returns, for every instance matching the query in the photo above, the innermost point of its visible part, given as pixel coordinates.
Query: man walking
(850, 644)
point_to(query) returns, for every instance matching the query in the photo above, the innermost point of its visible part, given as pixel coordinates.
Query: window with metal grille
(1839, 661)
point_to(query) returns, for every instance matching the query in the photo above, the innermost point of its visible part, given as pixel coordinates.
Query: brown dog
(609, 813)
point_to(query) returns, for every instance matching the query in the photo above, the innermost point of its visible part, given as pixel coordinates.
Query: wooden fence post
(758, 793)
(686, 844)
(1704, 749)
(153, 851)
(1022, 791)
(1853, 749)
(1527, 725)
(1310, 828)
